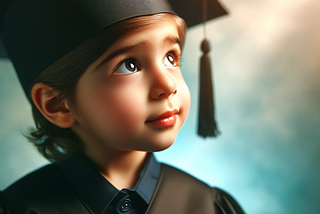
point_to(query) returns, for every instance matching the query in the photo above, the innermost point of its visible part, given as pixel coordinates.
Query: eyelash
(122, 61)
(176, 55)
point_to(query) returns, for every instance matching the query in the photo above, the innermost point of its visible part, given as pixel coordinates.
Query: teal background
(266, 60)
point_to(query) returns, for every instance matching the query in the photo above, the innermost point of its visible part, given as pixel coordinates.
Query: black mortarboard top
(35, 33)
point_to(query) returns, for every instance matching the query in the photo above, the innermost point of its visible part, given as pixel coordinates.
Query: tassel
(207, 125)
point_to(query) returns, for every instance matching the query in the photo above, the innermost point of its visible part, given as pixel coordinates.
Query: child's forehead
(154, 29)
(158, 37)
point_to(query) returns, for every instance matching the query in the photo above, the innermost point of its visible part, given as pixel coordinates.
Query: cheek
(186, 101)
(184, 95)
(122, 107)
(124, 110)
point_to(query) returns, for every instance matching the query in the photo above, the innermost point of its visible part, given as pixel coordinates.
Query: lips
(166, 119)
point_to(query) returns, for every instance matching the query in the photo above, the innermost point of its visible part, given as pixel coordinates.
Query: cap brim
(3, 53)
(192, 10)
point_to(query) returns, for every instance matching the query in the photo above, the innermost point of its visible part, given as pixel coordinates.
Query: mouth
(166, 119)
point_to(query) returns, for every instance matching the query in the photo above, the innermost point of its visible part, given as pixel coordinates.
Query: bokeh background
(266, 60)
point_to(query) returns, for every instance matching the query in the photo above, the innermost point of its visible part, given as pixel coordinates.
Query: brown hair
(58, 144)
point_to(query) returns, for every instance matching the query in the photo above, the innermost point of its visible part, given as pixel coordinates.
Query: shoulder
(32, 187)
(19, 193)
(196, 190)
(40, 191)
(3, 204)
(180, 176)
(225, 203)
(42, 178)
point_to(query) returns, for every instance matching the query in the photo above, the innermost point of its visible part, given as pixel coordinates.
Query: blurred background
(266, 60)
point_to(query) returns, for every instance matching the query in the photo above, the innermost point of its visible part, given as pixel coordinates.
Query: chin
(154, 145)
(161, 144)
(162, 148)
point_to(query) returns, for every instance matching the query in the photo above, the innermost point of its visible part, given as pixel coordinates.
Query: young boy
(105, 83)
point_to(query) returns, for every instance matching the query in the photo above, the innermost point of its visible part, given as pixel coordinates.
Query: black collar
(98, 193)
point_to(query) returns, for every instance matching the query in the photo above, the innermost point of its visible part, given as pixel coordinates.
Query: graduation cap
(35, 33)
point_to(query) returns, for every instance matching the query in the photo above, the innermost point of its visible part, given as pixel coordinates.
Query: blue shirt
(101, 196)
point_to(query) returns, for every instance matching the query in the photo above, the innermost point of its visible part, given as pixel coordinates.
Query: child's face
(134, 96)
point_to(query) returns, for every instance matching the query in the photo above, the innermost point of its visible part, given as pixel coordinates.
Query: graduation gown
(46, 191)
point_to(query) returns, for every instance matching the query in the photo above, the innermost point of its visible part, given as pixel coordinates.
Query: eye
(127, 66)
(169, 60)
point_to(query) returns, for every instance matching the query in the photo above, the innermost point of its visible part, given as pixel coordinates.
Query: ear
(46, 100)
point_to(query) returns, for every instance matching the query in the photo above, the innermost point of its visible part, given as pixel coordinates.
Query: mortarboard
(35, 33)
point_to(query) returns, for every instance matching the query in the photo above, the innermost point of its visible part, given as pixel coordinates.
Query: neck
(120, 167)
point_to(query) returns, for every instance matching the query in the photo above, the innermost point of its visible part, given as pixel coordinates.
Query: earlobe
(56, 111)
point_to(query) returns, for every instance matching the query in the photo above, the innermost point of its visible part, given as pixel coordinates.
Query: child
(106, 92)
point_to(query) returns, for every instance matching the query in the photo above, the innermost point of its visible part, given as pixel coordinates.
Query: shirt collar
(97, 192)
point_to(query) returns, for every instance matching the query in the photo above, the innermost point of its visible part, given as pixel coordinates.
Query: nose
(163, 85)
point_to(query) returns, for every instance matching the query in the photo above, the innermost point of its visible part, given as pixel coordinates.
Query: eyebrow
(118, 52)
(169, 40)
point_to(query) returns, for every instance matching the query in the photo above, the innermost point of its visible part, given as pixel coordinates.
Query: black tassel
(207, 125)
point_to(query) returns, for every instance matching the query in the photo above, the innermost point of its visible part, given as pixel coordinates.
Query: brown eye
(127, 66)
(169, 60)
(131, 65)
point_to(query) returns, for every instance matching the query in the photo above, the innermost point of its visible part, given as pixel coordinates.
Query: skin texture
(130, 101)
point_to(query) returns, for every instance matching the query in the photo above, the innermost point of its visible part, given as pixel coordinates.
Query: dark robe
(47, 191)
